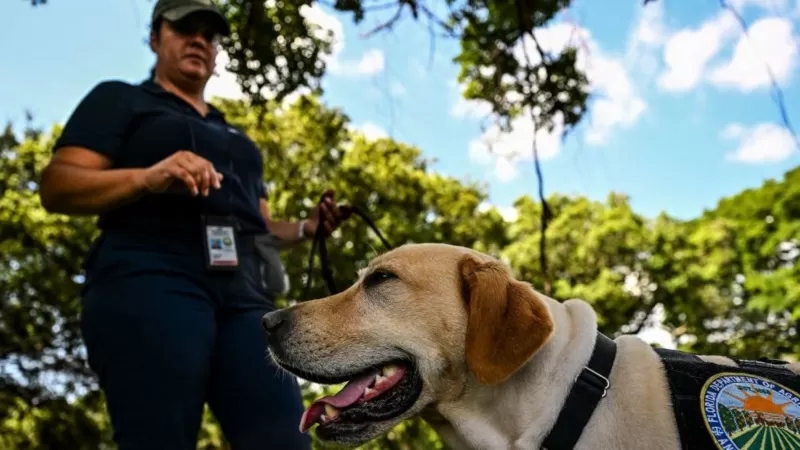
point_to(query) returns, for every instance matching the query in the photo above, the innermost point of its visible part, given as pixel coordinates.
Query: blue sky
(684, 113)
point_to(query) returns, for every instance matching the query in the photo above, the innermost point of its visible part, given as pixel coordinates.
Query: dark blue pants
(165, 336)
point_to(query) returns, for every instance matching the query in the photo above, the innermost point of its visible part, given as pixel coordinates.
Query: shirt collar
(155, 88)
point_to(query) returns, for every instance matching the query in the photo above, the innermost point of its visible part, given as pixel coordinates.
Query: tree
(740, 265)
(39, 334)
(596, 254)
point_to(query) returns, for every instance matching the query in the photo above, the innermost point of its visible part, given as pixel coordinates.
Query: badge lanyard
(220, 244)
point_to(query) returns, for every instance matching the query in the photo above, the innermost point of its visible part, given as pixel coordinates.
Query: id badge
(220, 243)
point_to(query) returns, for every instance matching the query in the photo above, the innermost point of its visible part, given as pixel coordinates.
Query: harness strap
(587, 392)
(318, 243)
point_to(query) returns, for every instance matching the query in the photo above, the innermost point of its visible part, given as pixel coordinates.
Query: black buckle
(594, 379)
(590, 387)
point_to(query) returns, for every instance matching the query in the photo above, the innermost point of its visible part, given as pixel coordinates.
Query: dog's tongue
(349, 394)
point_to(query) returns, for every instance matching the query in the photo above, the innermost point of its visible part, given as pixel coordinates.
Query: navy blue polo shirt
(138, 125)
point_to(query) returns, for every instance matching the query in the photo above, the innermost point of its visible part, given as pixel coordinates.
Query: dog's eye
(378, 277)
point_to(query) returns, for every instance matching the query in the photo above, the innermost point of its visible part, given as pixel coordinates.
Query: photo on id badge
(221, 245)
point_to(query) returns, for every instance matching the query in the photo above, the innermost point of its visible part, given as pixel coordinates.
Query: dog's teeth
(368, 393)
(379, 379)
(323, 418)
(331, 412)
(389, 370)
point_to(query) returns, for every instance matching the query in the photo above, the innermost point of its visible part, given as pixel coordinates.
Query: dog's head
(421, 322)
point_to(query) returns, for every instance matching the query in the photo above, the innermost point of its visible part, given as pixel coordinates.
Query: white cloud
(370, 63)
(397, 89)
(691, 54)
(327, 26)
(769, 44)
(645, 41)
(469, 109)
(688, 52)
(761, 143)
(616, 104)
(505, 150)
(733, 131)
(223, 83)
(371, 131)
(508, 213)
(650, 28)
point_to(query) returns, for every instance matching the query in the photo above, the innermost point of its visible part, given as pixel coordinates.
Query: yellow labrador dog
(448, 333)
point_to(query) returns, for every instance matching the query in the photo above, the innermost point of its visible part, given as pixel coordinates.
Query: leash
(318, 243)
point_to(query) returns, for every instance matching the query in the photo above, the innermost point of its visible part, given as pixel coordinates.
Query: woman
(173, 295)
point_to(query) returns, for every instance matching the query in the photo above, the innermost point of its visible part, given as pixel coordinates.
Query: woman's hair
(155, 27)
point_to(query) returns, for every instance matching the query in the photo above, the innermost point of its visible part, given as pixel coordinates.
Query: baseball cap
(174, 10)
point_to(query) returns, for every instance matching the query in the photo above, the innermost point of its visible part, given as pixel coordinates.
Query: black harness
(589, 389)
(754, 405)
(724, 407)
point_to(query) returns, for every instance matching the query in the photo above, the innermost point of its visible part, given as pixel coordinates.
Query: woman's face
(188, 47)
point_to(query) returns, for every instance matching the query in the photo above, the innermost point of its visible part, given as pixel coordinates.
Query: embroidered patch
(747, 412)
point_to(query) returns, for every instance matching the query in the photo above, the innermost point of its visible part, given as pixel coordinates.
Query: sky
(683, 111)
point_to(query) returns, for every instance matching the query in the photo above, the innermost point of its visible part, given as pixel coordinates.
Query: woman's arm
(288, 232)
(326, 213)
(79, 181)
(81, 178)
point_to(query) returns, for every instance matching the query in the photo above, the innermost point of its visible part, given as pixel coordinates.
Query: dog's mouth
(370, 396)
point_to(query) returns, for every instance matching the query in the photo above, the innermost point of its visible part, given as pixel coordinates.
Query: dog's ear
(507, 321)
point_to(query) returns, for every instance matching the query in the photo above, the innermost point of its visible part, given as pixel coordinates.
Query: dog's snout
(276, 323)
(271, 321)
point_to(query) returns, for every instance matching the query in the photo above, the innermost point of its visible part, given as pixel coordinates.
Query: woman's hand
(182, 168)
(326, 214)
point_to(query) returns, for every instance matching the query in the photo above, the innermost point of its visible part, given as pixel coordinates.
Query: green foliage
(594, 247)
(494, 36)
(40, 269)
(275, 50)
(726, 281)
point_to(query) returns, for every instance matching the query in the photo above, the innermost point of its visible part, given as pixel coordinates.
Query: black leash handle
(319, 241)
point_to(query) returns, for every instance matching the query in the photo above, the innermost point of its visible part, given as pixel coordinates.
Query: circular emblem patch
(747, 412)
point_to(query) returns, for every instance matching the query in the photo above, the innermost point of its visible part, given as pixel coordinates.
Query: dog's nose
(276, 321)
